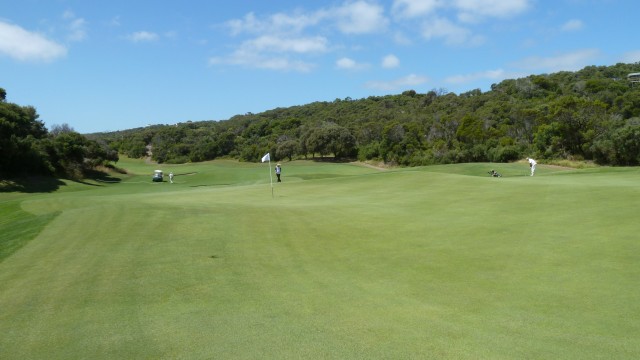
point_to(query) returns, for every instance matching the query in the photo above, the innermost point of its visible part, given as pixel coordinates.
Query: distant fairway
(342, 262)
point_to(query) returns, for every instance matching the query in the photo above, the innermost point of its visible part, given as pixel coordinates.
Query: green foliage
(29, 149)
(287, 149)
(503, 154)
(20, 135)
(619, 147)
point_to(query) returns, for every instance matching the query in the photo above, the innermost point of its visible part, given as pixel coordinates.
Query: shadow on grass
(201, 185)
(18, 227)
(99, 177)
(318, 176)
(32, 184)
(331, 159)
(46, 184)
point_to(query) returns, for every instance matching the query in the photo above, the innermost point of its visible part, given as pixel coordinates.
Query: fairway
(339, 261)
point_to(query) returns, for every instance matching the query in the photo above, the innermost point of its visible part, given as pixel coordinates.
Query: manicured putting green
(338, 261)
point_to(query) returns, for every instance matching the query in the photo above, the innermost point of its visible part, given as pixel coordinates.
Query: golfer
(278, 171)
(171, 177)
(532, 165)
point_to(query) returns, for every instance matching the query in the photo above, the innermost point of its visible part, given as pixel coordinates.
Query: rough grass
(572, 163)
(342, 261)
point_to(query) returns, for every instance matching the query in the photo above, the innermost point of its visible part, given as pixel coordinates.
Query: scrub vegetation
(592, 114)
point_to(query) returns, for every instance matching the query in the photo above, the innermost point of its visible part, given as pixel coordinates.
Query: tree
(619, 147)
(288, 149)
(20, 133)
(60, 129)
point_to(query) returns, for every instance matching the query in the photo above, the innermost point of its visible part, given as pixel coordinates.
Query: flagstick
(271, 177)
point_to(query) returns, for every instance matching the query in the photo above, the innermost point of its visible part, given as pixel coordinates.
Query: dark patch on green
(201, 185)
(18, 227)
(36, 184)
(331, 159)
(318, 176)
(100, 177)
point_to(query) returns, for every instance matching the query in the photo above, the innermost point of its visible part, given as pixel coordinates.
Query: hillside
(591, 114)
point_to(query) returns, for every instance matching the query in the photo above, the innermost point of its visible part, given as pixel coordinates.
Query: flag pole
(267, 157)
(271, 177)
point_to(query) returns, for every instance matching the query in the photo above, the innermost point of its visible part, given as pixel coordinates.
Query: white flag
(266, 158)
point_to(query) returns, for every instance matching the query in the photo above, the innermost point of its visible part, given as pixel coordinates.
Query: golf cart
(157, 176)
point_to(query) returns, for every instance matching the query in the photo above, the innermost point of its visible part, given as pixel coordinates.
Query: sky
(120, 64)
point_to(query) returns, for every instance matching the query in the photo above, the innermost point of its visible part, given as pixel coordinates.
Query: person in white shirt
(171, 177)
(532, 165)
(278, 171)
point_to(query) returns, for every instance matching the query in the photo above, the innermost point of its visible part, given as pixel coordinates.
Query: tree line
(591, 114)
(28, 148)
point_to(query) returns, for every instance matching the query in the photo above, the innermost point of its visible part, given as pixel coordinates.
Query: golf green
(338, 261)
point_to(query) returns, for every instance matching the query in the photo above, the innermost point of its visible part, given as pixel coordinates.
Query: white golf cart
(158, 176)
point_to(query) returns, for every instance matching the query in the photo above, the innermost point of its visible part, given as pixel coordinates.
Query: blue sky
(120, 64)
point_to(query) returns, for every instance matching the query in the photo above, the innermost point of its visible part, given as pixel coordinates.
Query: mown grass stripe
(18, 227)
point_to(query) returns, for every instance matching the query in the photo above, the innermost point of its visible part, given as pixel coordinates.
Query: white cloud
(247, 24)
(266, 52)
(572, 25)
(471, 11)
(284, 64)
(77, 30)
(353, 17)
(273, 43)
(281, 34)
(142, 36)
(400, 39)
(277, 23)
(350, 64)
(251, 59)
(76, 26)
(390, 61)
(572, 61)
(360, 17)
(476, 10)
(445, 19)
(346, 63)
(450, 32)
(23, 45)
(404, 82)
(68, 15)
(415, 8)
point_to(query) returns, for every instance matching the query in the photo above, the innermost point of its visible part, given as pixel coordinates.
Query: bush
(504, 154)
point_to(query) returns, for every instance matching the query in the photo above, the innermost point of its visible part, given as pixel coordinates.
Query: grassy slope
(343, 262)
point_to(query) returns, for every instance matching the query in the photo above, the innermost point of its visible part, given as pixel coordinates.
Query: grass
(19, 227)
(342, 261)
